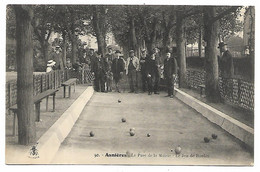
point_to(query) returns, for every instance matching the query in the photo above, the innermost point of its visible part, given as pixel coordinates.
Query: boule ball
(148, 135)
(132, 133)
(123, 120)
(91, 134)
(206, 139)
(178, 149)
(214, 136)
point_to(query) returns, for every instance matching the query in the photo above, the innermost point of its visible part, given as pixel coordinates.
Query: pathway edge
(50, 141)
(236, 128)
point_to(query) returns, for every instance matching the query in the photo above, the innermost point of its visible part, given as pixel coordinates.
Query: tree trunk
(100, 37)
(166, 41)
(24, 57)
(45, 53)
(200, 42)
(64, 48)
(133, 41)
(74, 47)
(126, 52)
(211, 37)
(73, 39)
(180, 43)
(149, 46)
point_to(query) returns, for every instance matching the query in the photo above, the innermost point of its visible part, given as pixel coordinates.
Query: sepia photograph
(126, 84)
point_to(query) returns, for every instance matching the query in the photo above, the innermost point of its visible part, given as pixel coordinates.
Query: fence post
(54, 79)
(239, 90)
(9, 96)
(41, 83)
(48, 76)
(58, 79)
(34, 85)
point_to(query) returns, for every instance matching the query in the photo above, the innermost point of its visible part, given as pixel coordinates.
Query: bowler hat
(221, 44)
(117, 51)
(131, 51)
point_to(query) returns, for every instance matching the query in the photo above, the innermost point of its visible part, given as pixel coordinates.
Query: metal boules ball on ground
(214, 136)
(132, 133)
(178, 149)
(206, 139)
(123, 120)
(91, 134)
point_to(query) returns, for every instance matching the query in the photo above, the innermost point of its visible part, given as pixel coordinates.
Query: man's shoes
(130, 92)
(118, 91)
(168, 96)
(136, 92)
(150, 93)
(171, 96)
(156, 93)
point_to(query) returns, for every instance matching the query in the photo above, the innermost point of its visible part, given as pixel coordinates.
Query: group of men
(106, 69)
(111, 68)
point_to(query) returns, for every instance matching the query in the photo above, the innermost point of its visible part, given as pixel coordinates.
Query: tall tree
(180, 43)
(211, 30)
(182, 13)
(72, 34)
(168, 21)
(24, 57)
(150, 18)
(132, 24)
(100, 26)
(43, 21)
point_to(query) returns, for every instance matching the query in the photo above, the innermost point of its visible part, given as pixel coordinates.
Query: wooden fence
(41, 82)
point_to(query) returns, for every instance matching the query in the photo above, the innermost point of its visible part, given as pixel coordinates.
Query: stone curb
(231, 125)
(49, 143)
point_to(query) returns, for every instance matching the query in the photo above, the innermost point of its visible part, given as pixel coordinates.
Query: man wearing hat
(118, 67)
(98, 68)
(50, 65)
(151, 69)
(132, 66)
(226, 68)
(110, 54)
(158, 70)
(143, 69)
(57, 57)
(225, 61)
(91, 57)
(170, 71)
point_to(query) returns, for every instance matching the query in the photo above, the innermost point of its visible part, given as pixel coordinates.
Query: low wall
(236, 91)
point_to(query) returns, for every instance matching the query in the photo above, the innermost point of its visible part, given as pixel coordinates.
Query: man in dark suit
(226, 61)
(158, 70)
(151, 71)
(143, 59)
(226, 67)
(91, 57)
(118, 67)
(170, 71)
(99, 70)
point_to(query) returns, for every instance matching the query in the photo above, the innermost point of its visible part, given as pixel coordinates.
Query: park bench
(37, 101)
(202, 87)
(68, 83)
